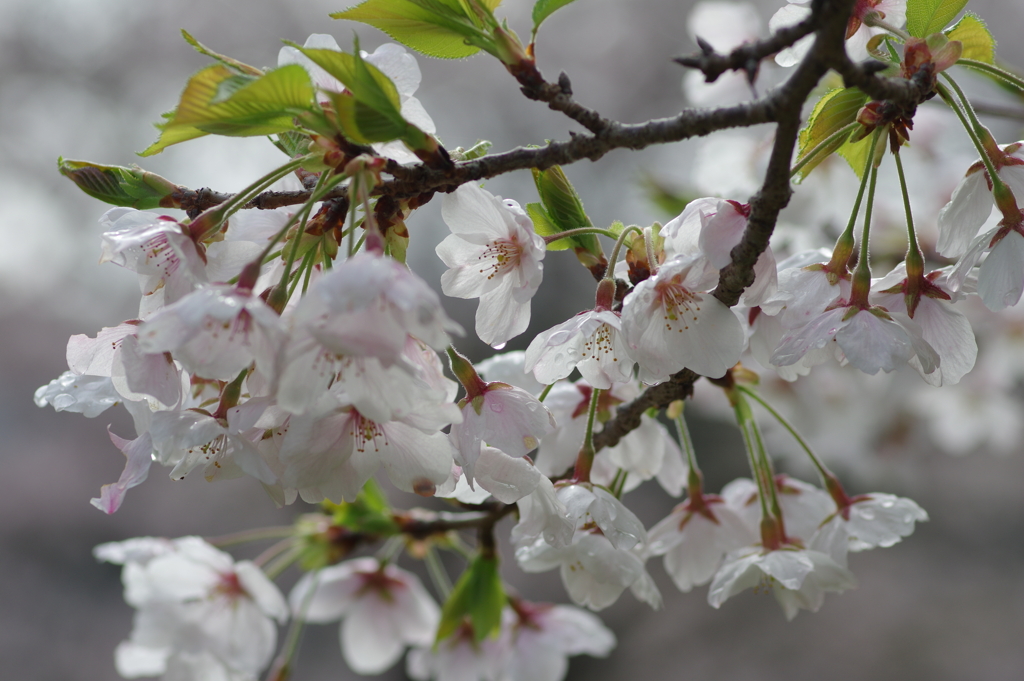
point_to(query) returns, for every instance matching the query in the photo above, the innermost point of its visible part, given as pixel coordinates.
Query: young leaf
(564, 207)
(217, 100)
(543, 226)
(834, 111)
(479, 596)
(545, 8)
(227, 61)
(856, 154)
(438, 31)
(977, 41)
(120, 186)
(925, 17)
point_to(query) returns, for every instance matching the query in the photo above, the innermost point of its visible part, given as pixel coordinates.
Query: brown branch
(746, 57)
(829, 18)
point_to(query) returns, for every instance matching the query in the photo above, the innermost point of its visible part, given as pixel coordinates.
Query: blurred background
(85, 80)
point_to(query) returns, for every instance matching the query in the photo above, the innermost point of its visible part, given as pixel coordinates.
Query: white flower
(671, 323)
(194, 602)
(947, 330)
(494, 255)
(459, 658)
(799, 578)
(367, 306)
(875, 520)
(592, 342)
(870, 339)
(215, 332)
(894, 12)
(382, 607)
(543, 636)
(1001, 274)
(158, 249)
(605, 556)
(503, 416)
(695, 538)
(972, 200)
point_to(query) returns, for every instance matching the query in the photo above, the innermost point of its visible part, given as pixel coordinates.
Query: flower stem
(843, 249)
(618, 246)
(438, 575)
(544, 393)
(979, 134)
(757, 457)
(822, 146)
(862, 275)
(585, 459)
(256, 534)
(1010, 78)
(822, 470)
(579, 231)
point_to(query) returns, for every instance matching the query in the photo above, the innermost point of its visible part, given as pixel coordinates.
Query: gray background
(86, 79)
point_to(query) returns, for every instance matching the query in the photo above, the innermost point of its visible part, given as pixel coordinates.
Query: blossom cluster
(297, 348)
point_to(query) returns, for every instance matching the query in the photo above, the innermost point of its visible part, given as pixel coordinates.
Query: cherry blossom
(501, 416)
(194, 600)
(367, 306)
(494, 255)
(158, 249)
(695, 538)
(671, 323)
(215, 332)
(543, 636)
(383, 609)
(972, 200)
(799, 578)
(894, 12)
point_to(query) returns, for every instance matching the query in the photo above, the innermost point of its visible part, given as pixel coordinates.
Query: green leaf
(856, 154)
(545, 8)
(478, 596)
(119, 186)
(977, 40)
(925, 17)
(543, 226)
(218, 100)
(437, 29)
(227, 61)
(564, 207)
(369, 513)
(834, 111)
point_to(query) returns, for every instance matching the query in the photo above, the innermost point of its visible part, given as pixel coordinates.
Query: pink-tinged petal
(414, 461)
(138, 374)
(507, 478)
(815, 335)
(499, 319)
(1001, 276)
(327, 595)
(721, 230)
(139, 455)
(475, 215)
(369, 636)
(1013, 176)
(95, 356)
(86, 395)
(961, 218)
(261, 590)
(682, 233)
(950, 333)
